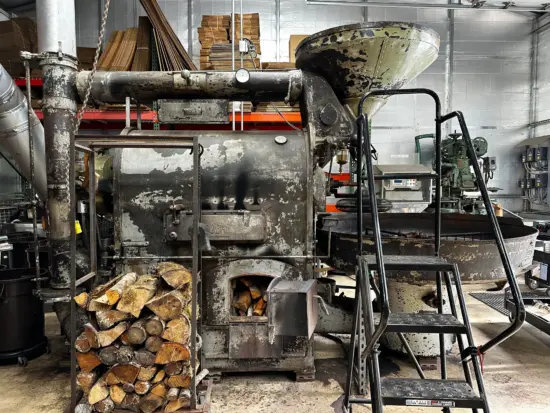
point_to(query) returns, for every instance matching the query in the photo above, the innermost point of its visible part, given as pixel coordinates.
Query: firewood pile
(250, 296)
(134, 352)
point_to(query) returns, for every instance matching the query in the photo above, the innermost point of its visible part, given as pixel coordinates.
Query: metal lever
(322, 303)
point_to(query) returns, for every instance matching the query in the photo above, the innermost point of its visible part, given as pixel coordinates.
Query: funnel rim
(368, 25)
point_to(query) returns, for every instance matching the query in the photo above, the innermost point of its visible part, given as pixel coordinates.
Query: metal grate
(494, 300)
(8, 207)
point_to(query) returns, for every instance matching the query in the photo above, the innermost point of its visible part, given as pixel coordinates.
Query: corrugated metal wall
(491, 77)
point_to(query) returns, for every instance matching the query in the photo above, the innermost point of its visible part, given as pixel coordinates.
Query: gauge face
(242, 76)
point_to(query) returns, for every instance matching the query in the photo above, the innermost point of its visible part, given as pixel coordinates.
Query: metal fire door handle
(323, 305)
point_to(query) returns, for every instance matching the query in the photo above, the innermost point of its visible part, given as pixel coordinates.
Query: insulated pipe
(14, 133)
(57, 46)
(114, 87)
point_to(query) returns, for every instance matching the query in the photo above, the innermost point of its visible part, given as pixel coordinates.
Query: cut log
(82, 344)
(159, 376)
(136, 333)
(150, 403)
(168, 305)
(131, 402)
(176, 276)
(124, 355)
(88, 361)
(82, 300)
(172, 393)
(94, 306)
(124, 339)
(170, 352)
(160, 390)
(153, 344)
(178, 330)
(98, 392)
(164, 267)
(255, 292)
(143, 387)
(92, 334)
(105, 406)
(181, 402)
(125, 373)
(83, 407)
(144, 358)
(108, 337)
(111, 379)
(136, 295)
(243, 301)
(107, 355)
(107, 319)
(117, 394)
(171, 369)
(128, 388)
(147, 373)
(259, 307)
(100, 289)
(112, 294)
(85, 381)
(180, 380)
(154, 326)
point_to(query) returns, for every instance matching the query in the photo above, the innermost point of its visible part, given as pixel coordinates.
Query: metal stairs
(443, 393)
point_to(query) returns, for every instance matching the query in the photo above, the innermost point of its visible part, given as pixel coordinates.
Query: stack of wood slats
(134, 353)
(172, 55)
(110, 52)
(142, 57)
(251, 29)
(278, 66)
(276, 107)
(125, 52)
(213, 30)
(221, 58)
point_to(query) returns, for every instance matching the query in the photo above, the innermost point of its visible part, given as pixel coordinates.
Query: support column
(57, 43)
(449, 66)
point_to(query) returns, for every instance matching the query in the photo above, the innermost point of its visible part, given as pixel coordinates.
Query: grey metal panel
(249, 341)
(213, 111)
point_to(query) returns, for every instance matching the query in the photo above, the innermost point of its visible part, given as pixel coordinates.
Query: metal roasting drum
(368, 56)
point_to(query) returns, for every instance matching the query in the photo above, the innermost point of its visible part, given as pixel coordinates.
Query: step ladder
(443, 393)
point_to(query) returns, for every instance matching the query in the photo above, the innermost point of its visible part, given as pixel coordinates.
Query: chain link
(94, 67)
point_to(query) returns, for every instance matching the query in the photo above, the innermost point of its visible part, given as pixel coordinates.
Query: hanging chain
(94, 67)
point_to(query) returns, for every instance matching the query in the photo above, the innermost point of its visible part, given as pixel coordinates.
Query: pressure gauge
(242, 76)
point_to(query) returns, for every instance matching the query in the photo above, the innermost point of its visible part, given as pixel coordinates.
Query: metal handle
(322, 303)
(514, 287)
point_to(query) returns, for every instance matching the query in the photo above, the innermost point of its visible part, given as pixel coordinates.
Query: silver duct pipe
(14, 133)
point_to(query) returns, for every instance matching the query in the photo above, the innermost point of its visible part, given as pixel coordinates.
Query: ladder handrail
(364, 145)
(499, 239)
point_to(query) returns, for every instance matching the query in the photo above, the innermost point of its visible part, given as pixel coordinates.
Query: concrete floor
(516, 377)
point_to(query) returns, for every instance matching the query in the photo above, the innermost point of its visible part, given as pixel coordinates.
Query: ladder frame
(363, 291)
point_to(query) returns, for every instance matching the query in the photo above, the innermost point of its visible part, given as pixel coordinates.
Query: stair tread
(401, 391)
(411, 262)
(422, 323)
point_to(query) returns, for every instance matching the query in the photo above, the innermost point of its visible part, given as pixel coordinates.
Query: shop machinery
(234, 204)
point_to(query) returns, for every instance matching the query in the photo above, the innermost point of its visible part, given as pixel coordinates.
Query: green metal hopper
(359, 57)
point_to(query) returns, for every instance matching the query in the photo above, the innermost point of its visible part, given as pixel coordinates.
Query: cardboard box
(295, 40)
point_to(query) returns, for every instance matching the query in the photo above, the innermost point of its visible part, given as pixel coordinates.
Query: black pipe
(114, 87)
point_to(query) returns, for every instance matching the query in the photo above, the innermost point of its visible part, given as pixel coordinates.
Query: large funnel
(359, 57)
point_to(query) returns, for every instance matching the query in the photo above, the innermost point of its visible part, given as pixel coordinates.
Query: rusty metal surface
(377, 55)
(213, 111)
(240, 171)
(466, 241)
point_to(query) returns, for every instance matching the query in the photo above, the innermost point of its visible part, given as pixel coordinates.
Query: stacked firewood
(249, 298)
(134, 352)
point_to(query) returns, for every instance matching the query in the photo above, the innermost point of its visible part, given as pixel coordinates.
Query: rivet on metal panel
(281, 140)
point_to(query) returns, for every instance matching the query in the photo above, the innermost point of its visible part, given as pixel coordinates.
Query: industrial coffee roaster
(261, 193)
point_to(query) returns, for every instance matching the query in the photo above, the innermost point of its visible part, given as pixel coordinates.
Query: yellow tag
(77, 227)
